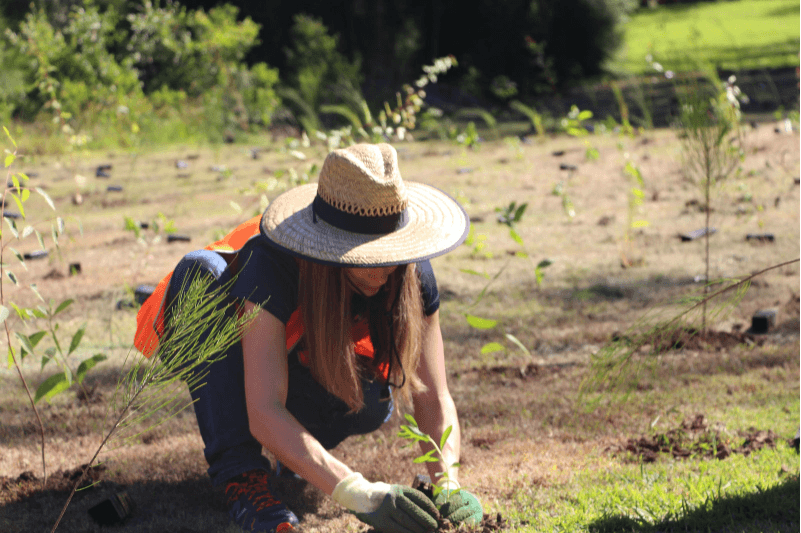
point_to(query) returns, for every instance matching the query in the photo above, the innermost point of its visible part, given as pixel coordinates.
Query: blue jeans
(220, 407)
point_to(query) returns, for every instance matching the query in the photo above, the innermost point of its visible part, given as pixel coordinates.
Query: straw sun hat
(361, 213)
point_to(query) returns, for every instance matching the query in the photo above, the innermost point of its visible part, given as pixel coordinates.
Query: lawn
(741, 35)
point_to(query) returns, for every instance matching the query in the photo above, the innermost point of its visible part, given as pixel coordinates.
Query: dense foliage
(147, 54)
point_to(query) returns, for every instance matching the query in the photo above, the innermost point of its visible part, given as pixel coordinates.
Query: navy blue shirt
(269, 277)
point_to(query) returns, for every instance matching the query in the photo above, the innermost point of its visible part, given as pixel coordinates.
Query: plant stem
(19, 369)
(111, 431)
(28, 392)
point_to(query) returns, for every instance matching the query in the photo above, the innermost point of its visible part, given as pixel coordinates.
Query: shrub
(318, 72)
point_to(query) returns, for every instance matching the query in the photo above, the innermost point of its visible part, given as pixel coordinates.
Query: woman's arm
(434, 409)
(266, 384)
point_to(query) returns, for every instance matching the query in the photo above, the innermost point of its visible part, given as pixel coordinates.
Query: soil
(697, 439)
(522, 433)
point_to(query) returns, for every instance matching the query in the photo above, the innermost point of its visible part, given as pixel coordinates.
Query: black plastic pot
(113, 510)
(691, 236)
(762, 321)
(75, 269)
(143, 292)
(114, 188)
(178, 238)
(761, 237)
(36, 254)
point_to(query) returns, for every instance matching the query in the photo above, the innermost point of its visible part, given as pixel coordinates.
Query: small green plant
(568, 208)
(150, 390)
(412, 433)
(635, 202)
(712, 142)
(391, 122)
(532, 114)
(15, 189)
(478, 241)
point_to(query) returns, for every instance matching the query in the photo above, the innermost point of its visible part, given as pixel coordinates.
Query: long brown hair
(395, 316)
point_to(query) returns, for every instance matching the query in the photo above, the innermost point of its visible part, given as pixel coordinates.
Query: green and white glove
(461, 507)
(387, 508)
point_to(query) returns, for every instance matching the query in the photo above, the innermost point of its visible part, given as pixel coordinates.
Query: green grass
(743, 493)
(747, 34)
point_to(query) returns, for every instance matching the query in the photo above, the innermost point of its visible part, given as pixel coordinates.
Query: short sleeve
(267, 277)
(428, 287)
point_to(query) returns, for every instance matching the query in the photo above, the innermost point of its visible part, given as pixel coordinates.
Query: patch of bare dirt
(696, 438)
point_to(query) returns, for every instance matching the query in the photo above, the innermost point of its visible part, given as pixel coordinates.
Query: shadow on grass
(181, 506)
(773, 509)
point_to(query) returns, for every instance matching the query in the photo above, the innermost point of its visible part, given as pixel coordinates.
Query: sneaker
(252, 506)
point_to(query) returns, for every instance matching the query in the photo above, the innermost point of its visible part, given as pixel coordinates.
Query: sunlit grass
(749, 34)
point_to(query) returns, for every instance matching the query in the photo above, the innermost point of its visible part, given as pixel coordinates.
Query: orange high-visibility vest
(150, 318)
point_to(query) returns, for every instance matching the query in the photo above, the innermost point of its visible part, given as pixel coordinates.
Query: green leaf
(516, 237)
(24, 341)
(409, 418)
(492, 347)
(39, 238)
(585, 115)
(19, 204)
(4, 312)
(46, 197)
(27, 231)
(518, 343)
(21, 311)
(51, 386)
(520, 210)
(35, 290)
(474, 273)
(38, 312)
(544, 263)
(63, 305)
(36, 337)
(236, 207)
(87, 365)
(48, 356)
(9, 159)
(444, 438)
(12, 277)
(12, 226)
(19, 257)
(76, 339)
(25, 194)
(480, 323)
(60, 224)
(10, 357)
(10, 137)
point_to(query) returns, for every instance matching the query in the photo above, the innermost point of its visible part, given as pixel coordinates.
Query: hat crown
(364, 180)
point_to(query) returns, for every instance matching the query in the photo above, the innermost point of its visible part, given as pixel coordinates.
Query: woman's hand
(387, 508)
(461, 507)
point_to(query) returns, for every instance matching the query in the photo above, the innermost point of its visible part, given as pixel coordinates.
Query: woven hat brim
(436, 225)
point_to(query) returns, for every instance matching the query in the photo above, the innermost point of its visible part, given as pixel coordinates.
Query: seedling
(412, 433)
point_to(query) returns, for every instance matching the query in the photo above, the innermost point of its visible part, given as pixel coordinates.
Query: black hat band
(367, 225)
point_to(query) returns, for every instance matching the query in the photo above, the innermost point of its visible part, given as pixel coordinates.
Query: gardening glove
(459, 507)
(387, 508)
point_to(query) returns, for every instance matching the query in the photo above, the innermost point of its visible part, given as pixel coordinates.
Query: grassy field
(532, 448)
(741, 35)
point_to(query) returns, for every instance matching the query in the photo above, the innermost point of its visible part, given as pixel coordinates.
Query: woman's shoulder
(268, 277)
(428, 286)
